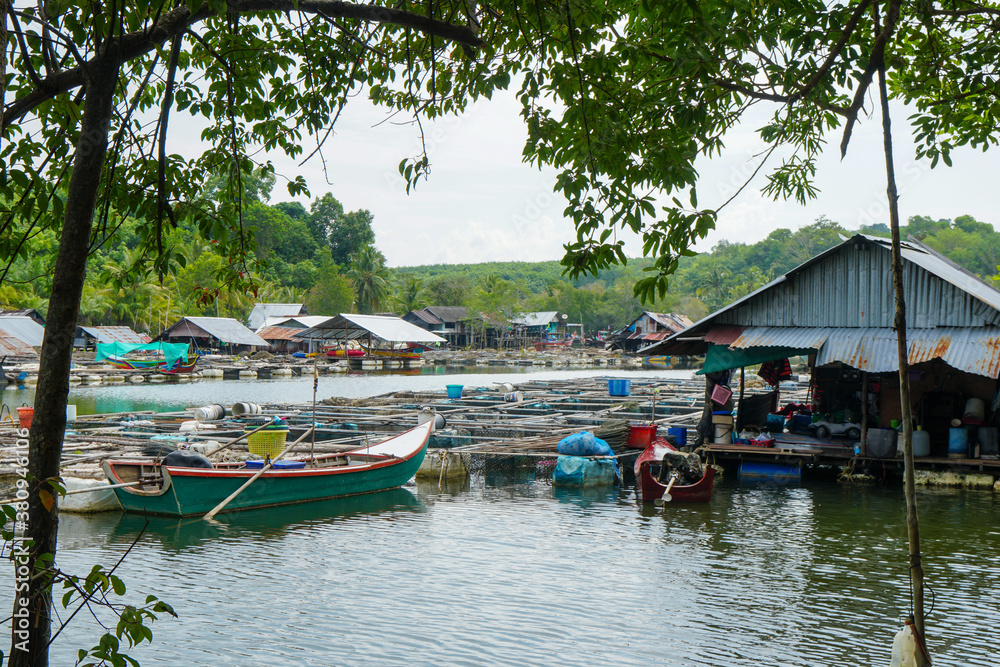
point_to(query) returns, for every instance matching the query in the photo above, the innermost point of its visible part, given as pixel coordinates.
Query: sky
(483, 203)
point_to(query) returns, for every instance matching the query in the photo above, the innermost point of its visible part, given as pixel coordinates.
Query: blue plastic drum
(958, 443)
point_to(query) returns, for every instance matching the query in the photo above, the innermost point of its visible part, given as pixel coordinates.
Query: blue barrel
(680, 433)
(958, 443)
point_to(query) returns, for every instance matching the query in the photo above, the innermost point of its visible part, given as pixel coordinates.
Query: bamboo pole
(912, 520)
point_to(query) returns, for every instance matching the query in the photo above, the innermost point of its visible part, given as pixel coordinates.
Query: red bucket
(24, 416)
(640, 435)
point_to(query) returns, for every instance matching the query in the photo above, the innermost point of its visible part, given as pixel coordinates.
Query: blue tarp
(171, 351)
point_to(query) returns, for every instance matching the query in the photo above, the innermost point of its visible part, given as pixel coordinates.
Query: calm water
(505, 570)
(163, 397)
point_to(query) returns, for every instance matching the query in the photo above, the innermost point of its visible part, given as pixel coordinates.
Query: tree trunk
(48, 426)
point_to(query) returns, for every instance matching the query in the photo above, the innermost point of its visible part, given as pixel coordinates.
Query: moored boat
(661, 463)
(184, 491)
(170, 358)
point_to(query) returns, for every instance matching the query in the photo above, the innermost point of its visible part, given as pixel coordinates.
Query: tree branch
(170, 24)
(876, 60)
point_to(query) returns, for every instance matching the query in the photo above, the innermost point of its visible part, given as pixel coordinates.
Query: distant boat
(185, 491)
(552, 344)
(338, 352)
(658, 362)
(173, 357)
(409, 351)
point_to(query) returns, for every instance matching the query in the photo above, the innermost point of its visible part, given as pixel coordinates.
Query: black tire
(854, 433)
(823, 432)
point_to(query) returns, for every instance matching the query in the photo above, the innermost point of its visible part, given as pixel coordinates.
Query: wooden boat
(653, 470)
(542, 345)
(153, 365)
(408, 352)
(338, 353)
(180, 491)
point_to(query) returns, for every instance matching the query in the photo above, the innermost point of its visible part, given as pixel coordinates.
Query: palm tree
(410, 293)
(370, 278)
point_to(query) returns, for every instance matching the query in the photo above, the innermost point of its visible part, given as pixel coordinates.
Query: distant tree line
(325, 257)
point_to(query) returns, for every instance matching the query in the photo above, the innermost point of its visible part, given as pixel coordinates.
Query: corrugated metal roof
(298, 322)
(973, 350)
(116, 335)
(351, 326)
(224, 329)
(672, 321)
(10, 345)
(850, 286)
(724, 334)
(23, 328)
(448, 313)
(27, 312)
(540, 319)
(796, 337)
(279, 333)
(424, 316)
(262, 311)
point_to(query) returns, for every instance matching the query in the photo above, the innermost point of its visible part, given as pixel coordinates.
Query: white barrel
(210, 413)
(723, 434)
(70, 413)
(245, 409)
(974, 409)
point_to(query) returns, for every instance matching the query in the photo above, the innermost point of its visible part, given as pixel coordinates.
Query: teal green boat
(181, 491)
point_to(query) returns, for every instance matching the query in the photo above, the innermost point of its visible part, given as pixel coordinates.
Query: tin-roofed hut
(213, 333)
(381, 335)
(837, 311)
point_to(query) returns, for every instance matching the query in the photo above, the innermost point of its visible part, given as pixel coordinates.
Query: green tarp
(721, 358)
(171, 351)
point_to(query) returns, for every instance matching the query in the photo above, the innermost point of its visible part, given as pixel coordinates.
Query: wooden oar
(235, 440)
(218, 508)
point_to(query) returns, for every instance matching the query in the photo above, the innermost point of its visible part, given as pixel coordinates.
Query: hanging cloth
(773, 372)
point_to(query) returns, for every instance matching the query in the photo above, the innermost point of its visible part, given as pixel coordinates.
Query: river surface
(504, 569)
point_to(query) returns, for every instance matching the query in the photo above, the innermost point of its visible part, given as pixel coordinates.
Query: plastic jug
(921, 442)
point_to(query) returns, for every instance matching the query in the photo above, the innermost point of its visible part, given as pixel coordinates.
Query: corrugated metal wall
(853, 288)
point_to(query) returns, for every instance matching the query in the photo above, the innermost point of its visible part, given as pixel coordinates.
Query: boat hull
(196, 491)
(651, 489)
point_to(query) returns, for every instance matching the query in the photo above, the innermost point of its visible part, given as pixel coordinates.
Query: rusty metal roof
(279, 333)
(11, 345)
(973, 350)
(23, 328)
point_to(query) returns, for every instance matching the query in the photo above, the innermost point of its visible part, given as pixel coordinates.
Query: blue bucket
(454, 390)
(680, 433)
(958, 443)
(619, 387)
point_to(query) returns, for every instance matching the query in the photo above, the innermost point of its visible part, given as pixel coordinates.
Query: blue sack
(583, 444)
(576, 471)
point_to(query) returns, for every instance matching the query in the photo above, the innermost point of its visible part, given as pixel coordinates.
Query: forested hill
(710, 280)
(324, 257)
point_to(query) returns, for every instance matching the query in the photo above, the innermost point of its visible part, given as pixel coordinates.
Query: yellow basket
(268, 442)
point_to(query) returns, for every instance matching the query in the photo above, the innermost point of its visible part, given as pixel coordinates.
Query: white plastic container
(921, 443)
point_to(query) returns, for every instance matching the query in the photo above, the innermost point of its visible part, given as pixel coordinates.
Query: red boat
(660, 464)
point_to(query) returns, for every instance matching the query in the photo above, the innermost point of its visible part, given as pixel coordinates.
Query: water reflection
(177, 534)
